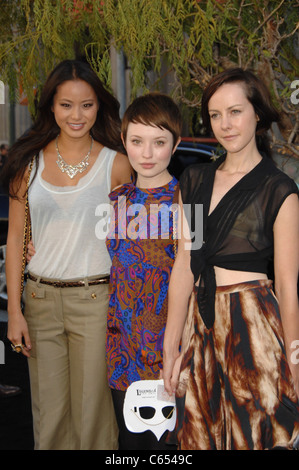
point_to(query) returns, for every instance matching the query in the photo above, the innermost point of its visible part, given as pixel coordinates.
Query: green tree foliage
(193, 39)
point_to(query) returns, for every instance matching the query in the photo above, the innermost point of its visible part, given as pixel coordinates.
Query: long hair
(257, 94)
(106, 129)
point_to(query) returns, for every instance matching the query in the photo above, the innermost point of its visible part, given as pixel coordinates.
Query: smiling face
(149, 150)
(75, 107)
(233, 118)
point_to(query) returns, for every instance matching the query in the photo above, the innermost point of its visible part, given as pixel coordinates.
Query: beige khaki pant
(71, 401)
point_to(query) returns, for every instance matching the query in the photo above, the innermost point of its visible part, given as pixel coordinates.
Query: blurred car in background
(193, 150)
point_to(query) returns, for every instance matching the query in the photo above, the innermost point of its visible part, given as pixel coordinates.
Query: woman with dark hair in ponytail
(74, 146)
(236, 374)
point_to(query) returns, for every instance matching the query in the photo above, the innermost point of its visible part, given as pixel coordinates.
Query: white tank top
(69, 223)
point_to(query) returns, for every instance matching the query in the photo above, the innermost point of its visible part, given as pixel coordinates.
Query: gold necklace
(72, 170)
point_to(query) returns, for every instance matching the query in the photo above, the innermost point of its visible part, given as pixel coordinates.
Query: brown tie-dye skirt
(236, 390)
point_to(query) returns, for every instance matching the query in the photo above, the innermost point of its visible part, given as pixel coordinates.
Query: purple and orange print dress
(141, 246)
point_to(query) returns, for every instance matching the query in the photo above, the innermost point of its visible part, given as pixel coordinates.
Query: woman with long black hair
(76, 145)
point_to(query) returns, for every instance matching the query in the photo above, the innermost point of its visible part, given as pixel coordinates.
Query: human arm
(17, 325)
(180, 288)
(121, 171)
(286, 266)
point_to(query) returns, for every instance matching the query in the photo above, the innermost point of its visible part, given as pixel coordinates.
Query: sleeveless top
(238, 234)
(142, 251)
(70, 223)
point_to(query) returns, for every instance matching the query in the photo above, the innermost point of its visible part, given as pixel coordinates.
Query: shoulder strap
(27, 228)
(174, 220)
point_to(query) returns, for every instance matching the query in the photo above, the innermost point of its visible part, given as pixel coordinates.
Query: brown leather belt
(81, 283)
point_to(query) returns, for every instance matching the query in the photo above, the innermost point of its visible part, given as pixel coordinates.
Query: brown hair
(154, 109)
(257, 94)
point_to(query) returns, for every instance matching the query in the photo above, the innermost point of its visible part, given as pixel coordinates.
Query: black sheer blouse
(238, 234)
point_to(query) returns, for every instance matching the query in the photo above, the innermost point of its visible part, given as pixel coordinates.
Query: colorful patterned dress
(141, 245)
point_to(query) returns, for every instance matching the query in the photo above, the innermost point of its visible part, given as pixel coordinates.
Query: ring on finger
(17, 347)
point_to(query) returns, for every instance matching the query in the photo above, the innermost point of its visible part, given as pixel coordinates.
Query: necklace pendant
(72, 170)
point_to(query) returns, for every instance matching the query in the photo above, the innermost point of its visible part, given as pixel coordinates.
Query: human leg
(48, 368)
(239, 393)
(93, 417)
